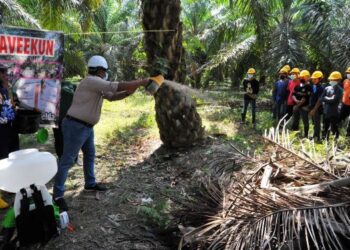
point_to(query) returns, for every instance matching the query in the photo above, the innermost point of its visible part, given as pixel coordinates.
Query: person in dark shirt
(315, 105)
(331, 98)
(280, 94)
(301, 97)
(251, 90)
(67, 92)
(9, 140)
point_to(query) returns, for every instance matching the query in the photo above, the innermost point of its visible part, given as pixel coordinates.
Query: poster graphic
(35, 67)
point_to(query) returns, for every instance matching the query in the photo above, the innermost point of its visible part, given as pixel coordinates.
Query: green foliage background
(222, 38)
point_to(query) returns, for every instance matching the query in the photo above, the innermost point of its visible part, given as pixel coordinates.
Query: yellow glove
(3, 204)
(159, 79)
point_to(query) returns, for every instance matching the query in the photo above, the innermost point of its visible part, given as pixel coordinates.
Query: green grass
(122, 118)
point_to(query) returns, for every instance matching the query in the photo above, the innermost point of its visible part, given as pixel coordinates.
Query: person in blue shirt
(315, 105)
(8, 133)
(280, 94)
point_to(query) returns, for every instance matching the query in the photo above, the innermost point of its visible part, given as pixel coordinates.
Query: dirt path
(108, 220)
(113, 220)
(141, 176)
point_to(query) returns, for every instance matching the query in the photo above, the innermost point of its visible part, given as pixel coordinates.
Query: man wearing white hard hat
(81, 117)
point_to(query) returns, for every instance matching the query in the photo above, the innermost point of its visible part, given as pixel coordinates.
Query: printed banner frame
(35, 68)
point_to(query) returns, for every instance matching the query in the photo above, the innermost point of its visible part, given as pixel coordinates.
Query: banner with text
(35, 67)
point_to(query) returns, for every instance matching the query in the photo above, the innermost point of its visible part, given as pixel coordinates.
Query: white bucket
(26, 167)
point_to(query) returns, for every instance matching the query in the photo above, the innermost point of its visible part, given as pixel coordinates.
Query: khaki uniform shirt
(88, 98)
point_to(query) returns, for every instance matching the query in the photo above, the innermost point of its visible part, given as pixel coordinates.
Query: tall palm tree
(177, 118)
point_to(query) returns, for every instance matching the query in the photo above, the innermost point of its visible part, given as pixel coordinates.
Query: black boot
(243, 118)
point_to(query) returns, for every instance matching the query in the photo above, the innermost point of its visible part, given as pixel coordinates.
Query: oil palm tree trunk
(164, 49)
(178, 121)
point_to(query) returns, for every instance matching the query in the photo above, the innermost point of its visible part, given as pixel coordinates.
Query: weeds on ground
(157, 214)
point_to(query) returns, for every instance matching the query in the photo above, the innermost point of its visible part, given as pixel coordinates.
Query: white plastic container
(64, 220)
(26, 167)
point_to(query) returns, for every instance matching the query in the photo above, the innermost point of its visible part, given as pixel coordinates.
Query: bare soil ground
(143, 169)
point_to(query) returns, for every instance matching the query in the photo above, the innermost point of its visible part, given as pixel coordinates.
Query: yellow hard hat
(295, 71)
(335, 76)
(287, 67)
(317, 74)
(283, 71)
(304, 73)
(348, 70)
(251, 71)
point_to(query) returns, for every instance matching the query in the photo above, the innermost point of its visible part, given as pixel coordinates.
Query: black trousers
(9, 140)
(58, 136)
(289, 112)
(317, 125)
(304, 115)
(330, 124)
(245, 108)
(279, 110)
(344, 113)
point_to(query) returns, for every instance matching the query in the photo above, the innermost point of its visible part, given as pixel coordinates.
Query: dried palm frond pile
(204, 197)
(287, 203)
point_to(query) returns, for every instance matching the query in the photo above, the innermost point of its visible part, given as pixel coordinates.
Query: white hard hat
(97, 61)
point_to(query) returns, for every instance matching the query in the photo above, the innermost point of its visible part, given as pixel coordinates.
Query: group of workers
(301, 95)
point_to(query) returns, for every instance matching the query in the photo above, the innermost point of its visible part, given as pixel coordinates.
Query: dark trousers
(289, 111)
(9, 140)
(317, 125)
(296, 119)
(58, 136)
(245, 108)
(279, 110)
(304, 113)
(331, 125)
(344, 113)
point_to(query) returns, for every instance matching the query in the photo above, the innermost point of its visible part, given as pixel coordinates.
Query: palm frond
(74, 63)
(197, 16)
(341, 49)
(277, 217)
(229, 53)
(296, 226)
(259, 12)
(286, 42)
(15, 10)
(273, 219)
